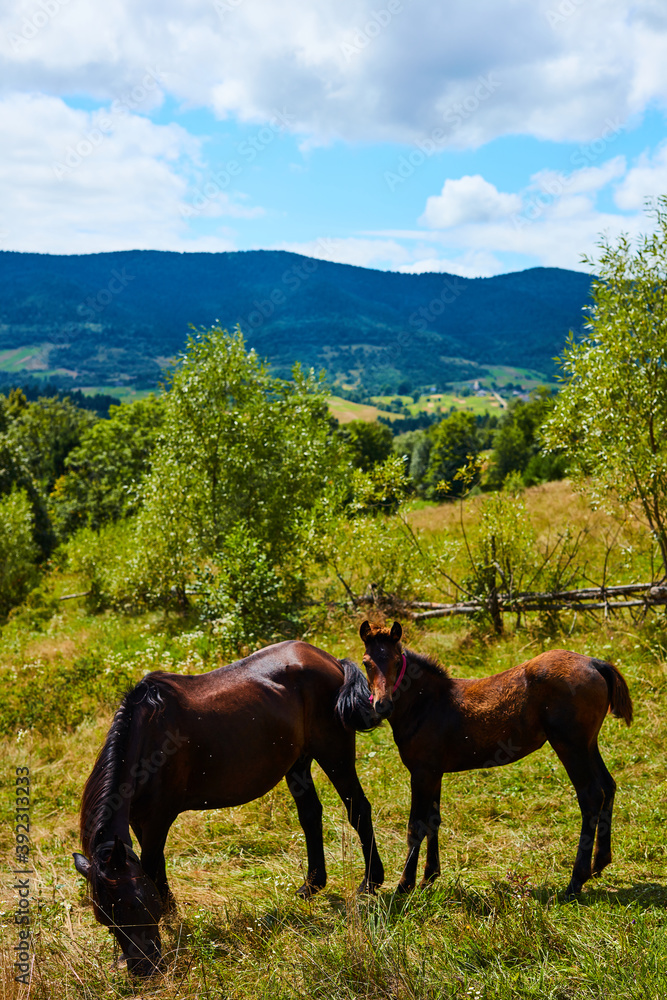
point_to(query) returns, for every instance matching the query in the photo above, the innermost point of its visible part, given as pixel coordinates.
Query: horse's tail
(620, 702)
(354, 707)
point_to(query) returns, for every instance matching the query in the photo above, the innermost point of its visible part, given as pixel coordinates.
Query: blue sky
(475, 138)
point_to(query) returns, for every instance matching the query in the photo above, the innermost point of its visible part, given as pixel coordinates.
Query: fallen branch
(70, 597)
(584, 599)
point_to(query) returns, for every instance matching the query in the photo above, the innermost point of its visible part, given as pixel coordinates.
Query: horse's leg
(423, 822)
(580, 764)
(154, 837)
(603, 844)
(300, 783)
(432, 868)
(341, 772)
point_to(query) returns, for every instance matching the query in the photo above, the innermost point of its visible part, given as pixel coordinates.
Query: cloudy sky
(469, 136)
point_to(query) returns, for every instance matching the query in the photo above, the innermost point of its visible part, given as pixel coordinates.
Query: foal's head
(126, 901)
(383, 660)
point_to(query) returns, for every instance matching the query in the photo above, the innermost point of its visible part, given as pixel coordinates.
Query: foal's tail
(354, 707)
(620, 702)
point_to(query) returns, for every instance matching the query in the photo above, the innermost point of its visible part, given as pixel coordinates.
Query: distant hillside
(117, 318)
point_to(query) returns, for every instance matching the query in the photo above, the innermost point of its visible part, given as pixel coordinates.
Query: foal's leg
(424, 822)
(580, 764)
(341, 772)
(153, 839)
(432, 869)
(603, 845)
(300, 783)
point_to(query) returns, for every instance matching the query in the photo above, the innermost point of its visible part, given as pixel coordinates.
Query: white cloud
(382, 253)
(551, 223)
(411, 72)
(473, 264)
(645, 180)
(72, 181)
(469, 199)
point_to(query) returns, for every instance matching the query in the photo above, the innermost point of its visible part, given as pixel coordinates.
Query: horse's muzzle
(384, 707)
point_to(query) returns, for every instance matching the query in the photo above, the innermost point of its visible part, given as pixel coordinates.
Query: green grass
(345, 411)
(494, 926)
(126, 394)
(25, 359)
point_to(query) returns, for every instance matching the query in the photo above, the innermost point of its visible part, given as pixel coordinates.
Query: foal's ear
(396, 632)
(82, 864)
(365, 630)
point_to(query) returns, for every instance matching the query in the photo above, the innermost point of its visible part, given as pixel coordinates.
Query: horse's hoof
(367, 888)
(309, 889)
(600, 864)
(572, 892)
(403, 887)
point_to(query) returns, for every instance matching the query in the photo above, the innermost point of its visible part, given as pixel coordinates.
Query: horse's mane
(428, 664)
(104, 777)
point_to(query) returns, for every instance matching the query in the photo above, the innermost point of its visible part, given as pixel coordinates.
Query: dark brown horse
(204, 742)
(443, 724)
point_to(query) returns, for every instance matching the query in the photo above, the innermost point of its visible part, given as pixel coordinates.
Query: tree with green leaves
(18, 551)
(369, 442)
(46, 431)
(611, 414)
(517, 443)
(453, 441)
(103, 474)
(245, 463)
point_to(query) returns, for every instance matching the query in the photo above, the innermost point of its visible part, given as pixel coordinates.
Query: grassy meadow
(493, 926)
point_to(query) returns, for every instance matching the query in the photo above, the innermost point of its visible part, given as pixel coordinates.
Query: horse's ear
(365, 630)
(82, 865)
(396, 632)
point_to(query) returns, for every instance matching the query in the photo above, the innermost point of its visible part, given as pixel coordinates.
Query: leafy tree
(103, 474)
(244, 466)
(18, 551)
(369, 443)
(46, 431)
(517, 443)
(611, 415)
(15, 474)
(453, 440)
(415, 448)
(382, 490)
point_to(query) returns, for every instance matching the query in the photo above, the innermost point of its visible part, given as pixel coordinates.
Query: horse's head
(383, 661)
(126, 901)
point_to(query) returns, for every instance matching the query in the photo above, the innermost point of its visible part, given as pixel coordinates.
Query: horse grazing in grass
(443, 724)
(204, 742)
